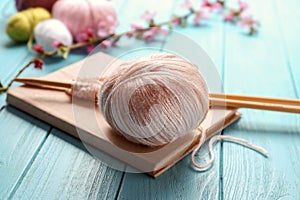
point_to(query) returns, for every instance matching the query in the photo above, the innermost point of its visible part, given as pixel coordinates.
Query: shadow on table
(26, 117)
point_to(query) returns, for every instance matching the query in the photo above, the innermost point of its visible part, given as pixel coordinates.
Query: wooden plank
(11, 186)
(64, 170)
(179, 182)
(182, 181)
(8, 49)
(21, 138)
(208, 36)
(7, 8)
(288, 20)
(67, 167)
(257, 66)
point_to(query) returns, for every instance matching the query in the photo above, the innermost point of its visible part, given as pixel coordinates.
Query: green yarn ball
(21, 25)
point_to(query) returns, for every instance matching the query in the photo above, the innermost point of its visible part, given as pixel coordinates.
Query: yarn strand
(216, 138)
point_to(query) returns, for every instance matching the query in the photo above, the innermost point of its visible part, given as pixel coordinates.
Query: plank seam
(27, 168)
(221, 167)
(221, 196)
(120, 185)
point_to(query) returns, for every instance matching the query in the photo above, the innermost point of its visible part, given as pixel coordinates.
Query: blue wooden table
(37, 161)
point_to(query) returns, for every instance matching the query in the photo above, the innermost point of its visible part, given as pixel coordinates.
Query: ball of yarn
(20, 26)
(24, 4)
(50, 31)
(154, 100)
(82, 15)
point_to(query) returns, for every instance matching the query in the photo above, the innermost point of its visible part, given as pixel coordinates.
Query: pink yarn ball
(81, 16)
(24, 4)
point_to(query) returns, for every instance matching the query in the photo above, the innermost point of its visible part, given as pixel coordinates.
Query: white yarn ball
(50, 31)
(155, 99)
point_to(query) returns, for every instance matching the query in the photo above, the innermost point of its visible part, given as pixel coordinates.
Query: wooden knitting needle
(255, 98)
(249, 103)
(228, 100)
(43, 83)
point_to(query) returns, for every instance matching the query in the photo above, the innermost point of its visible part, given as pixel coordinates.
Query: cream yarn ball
(50, 31)
(155, 99)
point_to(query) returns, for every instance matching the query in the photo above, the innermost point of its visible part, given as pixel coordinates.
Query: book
(56, 108)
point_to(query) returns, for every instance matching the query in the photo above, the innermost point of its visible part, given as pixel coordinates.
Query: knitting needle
(255, 98)
(288, 106)
(228, 100)
(42, 83)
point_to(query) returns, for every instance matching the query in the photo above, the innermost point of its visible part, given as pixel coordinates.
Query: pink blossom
(148, 16)
(243, 5)
(199, 15)
(81, 37)
(89, 32)
(102, 33)
(135, 30)
(136, 26)
(38, 64)
(107, 27)
(57, 44)
(106, 44)
(151, 34)
(176, 21)
(216, 6)
(247, 21)
(229, 16)
(129, 34)
(187, 4)
(38, 48)
(85, 36)
(90, 48)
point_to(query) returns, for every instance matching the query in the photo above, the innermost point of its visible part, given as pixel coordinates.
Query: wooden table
(38, 161)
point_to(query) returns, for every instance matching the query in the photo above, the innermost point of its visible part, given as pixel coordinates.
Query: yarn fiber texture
(82, 15)
(25, 4)
(20, 26)
(50, 31)
(155, 99)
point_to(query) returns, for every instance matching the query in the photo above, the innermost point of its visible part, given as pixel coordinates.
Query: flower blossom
(151, 34)
(106, 44)
(148, 16)
(135, 30)
(229, 16)
(216, 6)
(57, 44)
(175, 21)
(90, 48)
(243, 5)
(85, 36)
(107, 27)
(38, 48)
(187, 4)
(38, 64)
(247, 21)
(199, 15)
